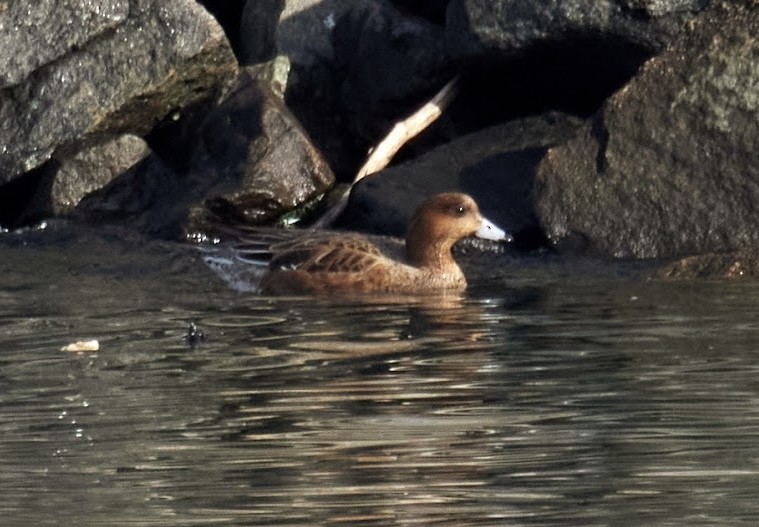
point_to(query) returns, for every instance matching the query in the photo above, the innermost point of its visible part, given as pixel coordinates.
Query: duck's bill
(489, 231)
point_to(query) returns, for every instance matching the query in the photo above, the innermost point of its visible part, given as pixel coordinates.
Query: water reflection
(536, 399)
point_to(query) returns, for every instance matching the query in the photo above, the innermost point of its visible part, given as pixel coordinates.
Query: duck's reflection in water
(370, 422)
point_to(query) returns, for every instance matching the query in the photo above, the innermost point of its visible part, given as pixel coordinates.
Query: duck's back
(350, 264)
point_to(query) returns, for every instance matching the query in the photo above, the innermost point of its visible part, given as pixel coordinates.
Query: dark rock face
(525, 57)
(260, 161)
(496, 166)
(670, 165)
(258, 30)
(432, 10)
(112, 66)
(388, 61)
(508, 26)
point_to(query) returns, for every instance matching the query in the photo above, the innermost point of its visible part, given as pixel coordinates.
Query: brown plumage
(334, 263)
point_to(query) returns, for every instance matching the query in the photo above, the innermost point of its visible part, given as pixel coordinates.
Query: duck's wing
(327, 254)
(312, 250)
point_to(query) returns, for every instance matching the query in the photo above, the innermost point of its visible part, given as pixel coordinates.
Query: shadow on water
(543, 397)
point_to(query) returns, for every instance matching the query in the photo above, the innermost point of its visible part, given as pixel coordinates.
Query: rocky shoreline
(623, 128)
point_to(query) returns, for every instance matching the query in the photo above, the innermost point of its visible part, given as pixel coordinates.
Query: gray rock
(388, 62)
(259, 161)
(119, 67)
(275, 73)
(670, 165)
(510, 26)
(93, 168)
(35, 34)
(495, 165)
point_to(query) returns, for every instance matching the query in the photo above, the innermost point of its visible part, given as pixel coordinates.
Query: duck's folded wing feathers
(312, 250)
(343, 254)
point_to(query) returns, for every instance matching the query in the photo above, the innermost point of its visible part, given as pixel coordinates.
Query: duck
(331, 263)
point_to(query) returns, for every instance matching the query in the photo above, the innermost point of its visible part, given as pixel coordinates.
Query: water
(548, 396)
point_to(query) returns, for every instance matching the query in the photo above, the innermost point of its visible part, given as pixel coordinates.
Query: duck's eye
(460, 210)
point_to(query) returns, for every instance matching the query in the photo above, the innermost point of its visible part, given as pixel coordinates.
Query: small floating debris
(82, 346)
(194, 335)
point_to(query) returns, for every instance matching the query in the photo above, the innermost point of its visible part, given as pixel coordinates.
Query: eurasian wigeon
(336, 263)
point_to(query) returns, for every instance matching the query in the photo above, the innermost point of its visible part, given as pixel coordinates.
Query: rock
(149, 198)
(525, 57)
(228, 13)
(301, 30)
(259, 161)
(63, 184)
(92, 169)
(114, 66)
(253, 163)
(258, 30)
(33, 37)
(390, 63)
(738, 264)
(275, 73)
(305, 29)
(496, 166)
(670, 165)
(511, 26)
(357, 66)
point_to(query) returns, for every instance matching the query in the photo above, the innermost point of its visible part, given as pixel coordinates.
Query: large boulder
(670, 165)
(388, 62)
(149, 198)
(253, 163)
(74, 70)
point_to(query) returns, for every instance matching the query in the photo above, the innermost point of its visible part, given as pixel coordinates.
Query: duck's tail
(241, 255)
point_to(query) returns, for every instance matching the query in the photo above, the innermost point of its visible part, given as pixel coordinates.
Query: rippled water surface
(546, 396)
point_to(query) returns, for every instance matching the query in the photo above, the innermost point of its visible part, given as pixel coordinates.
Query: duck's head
(441, 221)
